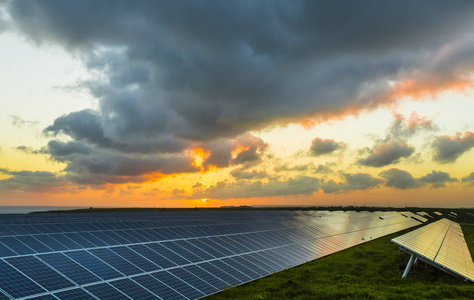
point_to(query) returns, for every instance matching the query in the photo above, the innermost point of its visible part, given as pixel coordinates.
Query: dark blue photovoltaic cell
(157, 287)
(34, 244)
(93, 264)
(3, 296)
(15, 283)
(5, 251)
(242, 268)
(107, 239)
(136, 259)
(93, 239)
(116, 261)
(39, 272)
(194, 281)
(19, 230)
(237, 274)
(6, 231)
(105, 291)
(181, 251)
(172, 256)
(78, 238)
(64, 240)
(78, 294)
(116, 237)
(262, 265)
(145, 234)
(231, 280)
(153, 256)
(136, 235)
(69, 268)
(16, 245)
(195, 250)
(52, 243)
(207, 277)
(214, 253)
(218, 247)
(178, 285)
(130, 238)
(254, 268)
(132, 289)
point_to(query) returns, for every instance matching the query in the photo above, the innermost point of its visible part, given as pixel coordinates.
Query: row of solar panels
(442, 245)
(117, 264)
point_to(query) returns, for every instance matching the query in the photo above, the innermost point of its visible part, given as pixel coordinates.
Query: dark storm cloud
(325, 146)
(171, 74)
(28, 181)
(437, 179)
(449, 148)
(399, 179)
(245, 149)
(386, 153)
(300, 185)
(92, 165)
(353, 182)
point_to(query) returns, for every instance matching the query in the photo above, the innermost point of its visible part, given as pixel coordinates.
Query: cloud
(448, 149)
(241, 173)
(91, 165)
(437, 179)
(325, 146)
(181, 75)
(353, 182)
(386, 153)
(300, 185)
(469, 179)
(399, 179)
(402, 128)
(30, 150)
(29, 181)
(19, 122)
(243, 149)
(325, 169)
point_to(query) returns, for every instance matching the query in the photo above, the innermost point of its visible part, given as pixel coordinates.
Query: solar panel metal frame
(439, 245)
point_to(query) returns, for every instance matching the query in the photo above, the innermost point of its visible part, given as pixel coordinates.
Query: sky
(227, 103)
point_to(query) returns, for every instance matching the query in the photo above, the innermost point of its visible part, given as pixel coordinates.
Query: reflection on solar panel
(440, 244)
(174, 255)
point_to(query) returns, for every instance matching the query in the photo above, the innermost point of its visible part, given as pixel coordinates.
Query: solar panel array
(443, 245)
(173, 255)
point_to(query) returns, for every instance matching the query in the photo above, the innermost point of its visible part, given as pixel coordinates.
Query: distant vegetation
(371, 270)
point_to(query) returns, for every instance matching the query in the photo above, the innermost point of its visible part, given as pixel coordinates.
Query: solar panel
(105, 291)
(175, 255)
(440, 244)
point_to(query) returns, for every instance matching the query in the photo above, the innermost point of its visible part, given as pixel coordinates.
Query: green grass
(369, 271)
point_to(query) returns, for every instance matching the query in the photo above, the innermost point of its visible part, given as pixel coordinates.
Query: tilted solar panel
(440, 244)
(175, 255)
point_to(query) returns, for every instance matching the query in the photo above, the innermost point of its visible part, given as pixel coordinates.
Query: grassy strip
(369, 271)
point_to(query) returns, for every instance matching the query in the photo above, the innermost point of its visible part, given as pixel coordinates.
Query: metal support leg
(410, 263)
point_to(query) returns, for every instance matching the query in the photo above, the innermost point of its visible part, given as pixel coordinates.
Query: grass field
(369, 271)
